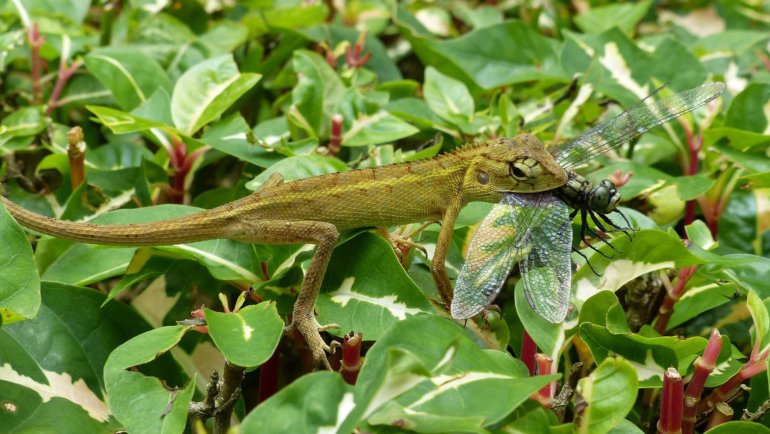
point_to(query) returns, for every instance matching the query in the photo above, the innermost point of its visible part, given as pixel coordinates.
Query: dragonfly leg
(603, 229)
(587, 261)
(625, 219)
(584, 227)
(615, 227)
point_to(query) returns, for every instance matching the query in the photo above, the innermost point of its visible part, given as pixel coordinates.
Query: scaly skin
(316, 210)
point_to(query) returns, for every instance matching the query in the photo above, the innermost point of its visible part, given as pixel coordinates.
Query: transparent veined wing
(638, 119)
(547, 268)
(502, 239)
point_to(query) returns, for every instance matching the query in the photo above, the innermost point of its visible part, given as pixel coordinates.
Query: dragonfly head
(604, 198)
(579, 193)
(514, 165)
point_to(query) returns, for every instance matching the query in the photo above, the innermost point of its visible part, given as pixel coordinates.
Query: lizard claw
(333, 345)
(327, 327)
(311, 333)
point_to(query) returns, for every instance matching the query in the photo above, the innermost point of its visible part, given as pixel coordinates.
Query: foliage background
(188, 105)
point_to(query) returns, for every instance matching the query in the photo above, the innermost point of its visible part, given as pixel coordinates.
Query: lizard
(318, 209)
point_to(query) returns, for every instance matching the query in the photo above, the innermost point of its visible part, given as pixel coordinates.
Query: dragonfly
(535, 229)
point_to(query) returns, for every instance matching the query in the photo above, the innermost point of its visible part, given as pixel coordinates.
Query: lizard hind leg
(324, 235)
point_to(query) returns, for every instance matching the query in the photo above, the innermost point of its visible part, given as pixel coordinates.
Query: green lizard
(316, 210)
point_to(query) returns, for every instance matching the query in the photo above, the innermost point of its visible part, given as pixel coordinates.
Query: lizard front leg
(324, 235)
(438, 264)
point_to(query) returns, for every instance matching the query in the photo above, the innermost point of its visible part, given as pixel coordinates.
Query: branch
(559, 404)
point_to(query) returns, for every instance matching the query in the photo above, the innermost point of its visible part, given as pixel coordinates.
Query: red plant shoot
(671, 401)
(704, 365)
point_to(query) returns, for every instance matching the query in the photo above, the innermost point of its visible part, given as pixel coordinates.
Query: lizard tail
(201, 226)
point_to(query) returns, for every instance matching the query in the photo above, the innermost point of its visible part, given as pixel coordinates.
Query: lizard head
(513, 165)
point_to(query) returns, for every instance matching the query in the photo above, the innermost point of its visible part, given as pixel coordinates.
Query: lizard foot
(311, 333)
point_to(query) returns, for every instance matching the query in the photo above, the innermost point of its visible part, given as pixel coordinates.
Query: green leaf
(380, 127)
(74, 11)
(130, 75)
(548, 336)
(231, 136)
(699, 233)
(140, 403)
(19, 281)
(295, 16)
(247, 338)
(741, 427)
(609, 392)
(476, 57)
(625, 16)
(32, 414)
(650, 356)
(206, 90)
(318, 92)
(447, 97)
(103, 263)
(367, 290)
(650, 250)
(24, 122)
(761, 319)
(316, 402)
(120, 122)
(459, 370)
(59, 356)
(298, 167)
(750, 109)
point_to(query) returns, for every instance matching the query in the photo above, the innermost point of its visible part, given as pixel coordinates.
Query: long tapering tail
(206, 225)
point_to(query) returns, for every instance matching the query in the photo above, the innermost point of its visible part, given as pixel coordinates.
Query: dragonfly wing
(547, 269)
(500, 241)
(638, 119)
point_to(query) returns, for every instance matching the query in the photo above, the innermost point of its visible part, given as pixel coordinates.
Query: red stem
(667, 308)
(335, 138)
(703, 367)
(528, 351)
(35, 42)
(671, 403)
(544, 365)
(351, 362)
(268, 376)
(694, 144)
(65, 73)
(756, 365)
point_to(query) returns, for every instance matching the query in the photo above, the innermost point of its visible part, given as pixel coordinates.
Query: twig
(559, 404)
(757, 415)
(204, 409)
(220, 400)
(228, 395)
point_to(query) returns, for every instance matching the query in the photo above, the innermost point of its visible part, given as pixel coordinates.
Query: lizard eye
(519, 170)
